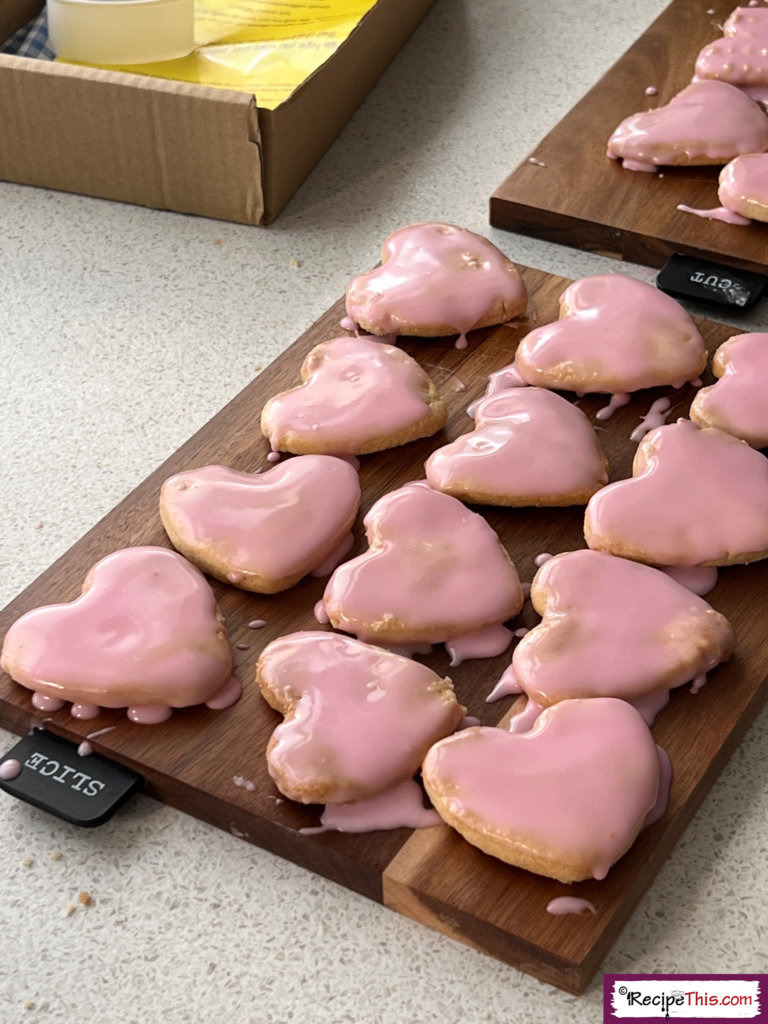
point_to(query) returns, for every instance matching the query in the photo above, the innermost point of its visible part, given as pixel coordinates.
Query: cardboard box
(176, 146)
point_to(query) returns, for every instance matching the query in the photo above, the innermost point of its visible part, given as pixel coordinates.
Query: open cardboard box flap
(176, 146)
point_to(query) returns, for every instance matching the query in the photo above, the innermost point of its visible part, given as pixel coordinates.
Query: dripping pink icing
(257, 624)
(507, 686)
(10, 769)
(85, 749)
(487, 644)
(651, 90)
(655, 417)
(265, 527)
(698, 683)
(144, 631)
(576, 787)
(736, 402)
(740, 56)
(436, 279)
(43, 702)
(612, 627)
(149, 714)
(615, 335)
(570, 905)
(525, 720)
(427, 554)
(708, 122)
(650, 704)
(495, 464)
(321, 615)
(665, 781)
(716, 213)
(743, 187)
(699, 579)
(273, 457)
(348, 324)
(616, 402)
(326, 567)
(402, 806)
(698, 497)
(229, 694)
(85, 711)
(357, 393)
(242, 783)
(500, 380)
(358, 718)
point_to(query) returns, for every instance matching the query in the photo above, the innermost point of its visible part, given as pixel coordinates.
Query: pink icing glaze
(356, 391)
(525, 720)
(144, 631)
(507, 686)
(435, 279)
(699, 579)
(229, 694)
(707, 122)
(487, 644)
(740, 56)
(615, 334)
(698, 497)
(743, 186)
(665, 781)
(500, 380)
(650, 705)
(326, 567)
(362, 719)
(85, 749)
(149, 714)
(427, 554)
(737, 403)
(615, 628)
(402, 806)
(495, 463)
(570, 905)
(577, 787)
(257, 624)
(616, 402)
(321, 615)
(716, 213)
(655, 417)
(43, 702)
(10, 769)
(85, 711)
(278, 525)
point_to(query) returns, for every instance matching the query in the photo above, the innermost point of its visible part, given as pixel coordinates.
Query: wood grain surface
(431, 874)
(583, 199)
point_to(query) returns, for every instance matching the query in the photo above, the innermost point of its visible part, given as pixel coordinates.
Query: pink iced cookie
(737, 403)
(566, 799)
(146, 632)
(433, 571)
(358, 719)
(359, 395)
(612, 627)
(743, 185)
(707, 123)
(615, 334)
(698, 496)
(741, 56)
(436, 279)
(529, 447)
(262, 531)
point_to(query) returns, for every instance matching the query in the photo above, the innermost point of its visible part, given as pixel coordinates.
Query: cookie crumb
(29, 1004)
(57, 855)
(295, 264)
(218, 241)
(118, 920)
(85, 899)
(27, 862)
(40, 525)
(257, 368)
(69, 909)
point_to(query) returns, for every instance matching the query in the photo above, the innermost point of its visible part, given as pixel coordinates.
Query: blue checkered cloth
(31, 40)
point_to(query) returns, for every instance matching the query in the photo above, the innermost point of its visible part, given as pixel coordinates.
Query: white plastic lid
(121, 31)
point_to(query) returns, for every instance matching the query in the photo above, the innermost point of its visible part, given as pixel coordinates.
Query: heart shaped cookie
(529, 447)
(615, 334)
(708, 122)
(566, 799)
(433, 571)
(359, 395)
(741, 56)
(262, 531)
(743, 186)
(697, 496)
(612, 627)
(145, 631)
(358, 719)
(736, 403)
(436, 279)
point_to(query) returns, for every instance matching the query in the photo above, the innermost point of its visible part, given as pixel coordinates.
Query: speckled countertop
(123, 330)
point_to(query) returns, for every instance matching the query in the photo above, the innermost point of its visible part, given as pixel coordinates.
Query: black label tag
(47, 771)
(686, 277)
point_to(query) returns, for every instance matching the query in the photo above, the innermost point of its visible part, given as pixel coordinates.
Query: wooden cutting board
(583, 199)
(431, 875)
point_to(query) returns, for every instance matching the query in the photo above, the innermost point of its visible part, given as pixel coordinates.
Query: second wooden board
(574, 195)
